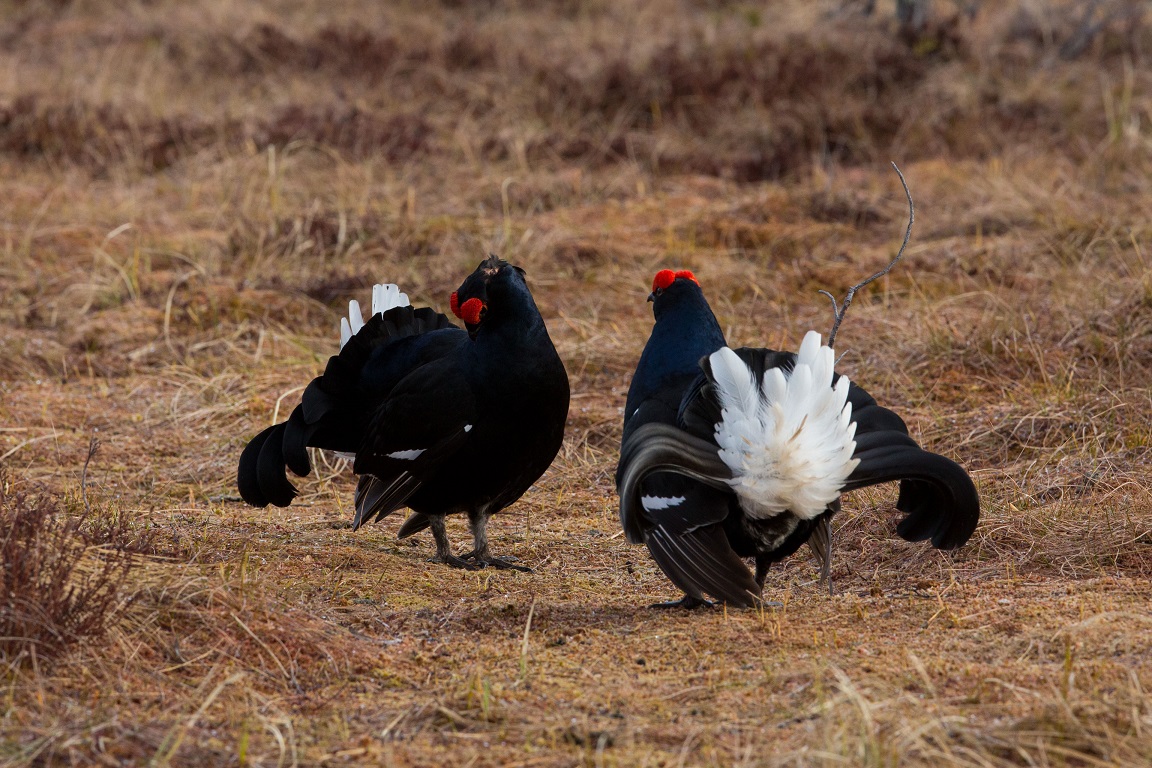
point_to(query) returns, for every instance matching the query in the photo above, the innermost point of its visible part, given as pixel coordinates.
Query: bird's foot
(690, 603)
(687, 602)
(452, 561)
(503, 564)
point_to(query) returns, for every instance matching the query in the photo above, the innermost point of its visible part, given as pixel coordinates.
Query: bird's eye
(659, 291)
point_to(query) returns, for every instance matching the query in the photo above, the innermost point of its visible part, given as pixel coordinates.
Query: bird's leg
(820, 543)
(443, 548)
(762, 564)
(480, 555)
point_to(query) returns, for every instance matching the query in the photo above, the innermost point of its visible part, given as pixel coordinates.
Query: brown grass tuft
(62, 576)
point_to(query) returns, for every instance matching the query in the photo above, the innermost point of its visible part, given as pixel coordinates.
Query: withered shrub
(61, 575)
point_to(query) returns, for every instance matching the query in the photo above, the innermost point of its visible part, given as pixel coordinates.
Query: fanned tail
(938, 497)
(334, 409)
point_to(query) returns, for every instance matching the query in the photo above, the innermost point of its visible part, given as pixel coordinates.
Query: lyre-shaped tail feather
(938, 497)
(260, 475)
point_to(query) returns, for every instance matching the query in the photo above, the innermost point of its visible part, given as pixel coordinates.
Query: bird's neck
(678, 341)
(516, 323)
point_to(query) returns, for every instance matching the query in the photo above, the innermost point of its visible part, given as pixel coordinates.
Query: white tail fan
(790, 444)
(384, 297)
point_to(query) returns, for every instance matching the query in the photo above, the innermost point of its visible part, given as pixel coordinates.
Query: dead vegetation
(192, 193)
(62, 576)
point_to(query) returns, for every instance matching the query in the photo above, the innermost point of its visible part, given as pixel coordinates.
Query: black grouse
(440, 419)
(740, 453)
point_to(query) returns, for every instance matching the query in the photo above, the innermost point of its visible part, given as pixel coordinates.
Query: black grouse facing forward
(440, 420)
(740, 453)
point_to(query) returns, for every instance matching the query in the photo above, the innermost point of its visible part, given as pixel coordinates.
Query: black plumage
(442, 420)
(676, 492)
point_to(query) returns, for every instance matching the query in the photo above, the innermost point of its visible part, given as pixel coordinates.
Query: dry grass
(190, 193)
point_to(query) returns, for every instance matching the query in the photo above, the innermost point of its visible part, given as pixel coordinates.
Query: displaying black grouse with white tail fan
(740, 453)
(441, 420)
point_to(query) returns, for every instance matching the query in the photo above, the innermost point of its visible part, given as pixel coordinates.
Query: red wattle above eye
(666, 277)
(454, 304)
(470, 311)
(663, 279)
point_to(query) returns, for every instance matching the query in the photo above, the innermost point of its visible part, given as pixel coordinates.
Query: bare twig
(93, 446)
(839, 310)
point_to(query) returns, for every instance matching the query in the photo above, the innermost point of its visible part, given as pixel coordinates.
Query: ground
(191, 193)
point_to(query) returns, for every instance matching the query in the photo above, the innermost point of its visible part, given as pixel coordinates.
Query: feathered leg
(480, 555)
(762, 564)
(820, 542)
(443, 547)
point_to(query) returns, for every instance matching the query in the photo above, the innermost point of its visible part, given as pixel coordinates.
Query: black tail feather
(332, 413)
(937, 495)
(247, 473)
(297, 438)
(270, 470)
(870, 417)
(260, 475)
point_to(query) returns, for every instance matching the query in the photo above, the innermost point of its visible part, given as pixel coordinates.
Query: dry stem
(838, 311)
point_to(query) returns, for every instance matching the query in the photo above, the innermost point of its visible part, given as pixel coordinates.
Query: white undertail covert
(789, 442)
(384, 298)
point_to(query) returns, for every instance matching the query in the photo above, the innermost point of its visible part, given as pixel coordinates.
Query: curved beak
(652, 296)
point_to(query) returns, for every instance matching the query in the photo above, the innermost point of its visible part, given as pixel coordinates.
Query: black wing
(701, 561)
(656, 448)
(425, 420)
(680, 516)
